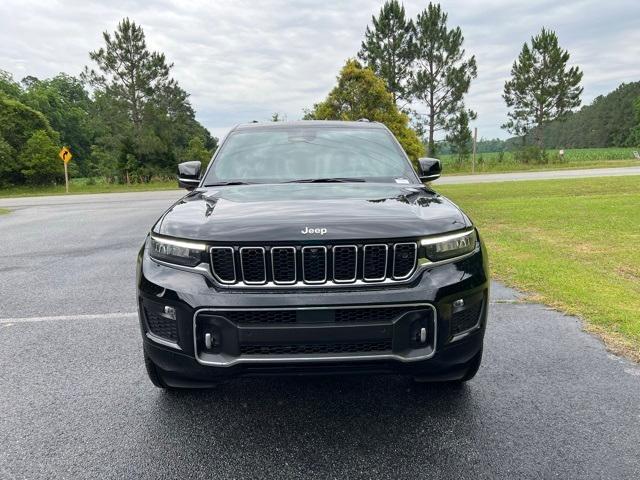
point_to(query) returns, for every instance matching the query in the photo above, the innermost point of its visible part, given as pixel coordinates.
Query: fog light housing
(169, 312)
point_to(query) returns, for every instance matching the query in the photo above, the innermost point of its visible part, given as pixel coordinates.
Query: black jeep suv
(311, 247)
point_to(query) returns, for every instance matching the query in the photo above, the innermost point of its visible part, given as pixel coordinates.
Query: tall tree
(459, 135)
(128, 71)
(541, 88)
(361, 94)
(443, 72)
(145, 120)
(388, 48)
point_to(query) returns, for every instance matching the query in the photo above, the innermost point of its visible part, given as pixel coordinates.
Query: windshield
(310, 154)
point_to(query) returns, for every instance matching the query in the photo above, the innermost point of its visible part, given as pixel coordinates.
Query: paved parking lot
(75, 402)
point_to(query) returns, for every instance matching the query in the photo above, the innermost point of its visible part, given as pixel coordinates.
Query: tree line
(415, 74)
(611, 120)
(427, 73)
(127, 120)
(124, 118)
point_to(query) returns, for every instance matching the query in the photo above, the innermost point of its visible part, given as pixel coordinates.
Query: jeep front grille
(313, 264)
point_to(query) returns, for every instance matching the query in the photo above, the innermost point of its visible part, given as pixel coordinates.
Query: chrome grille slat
(378, 254)
(252, 272)
(400, 262)
(344, 263)
(310, 265)
(223, 269)
(283, 269)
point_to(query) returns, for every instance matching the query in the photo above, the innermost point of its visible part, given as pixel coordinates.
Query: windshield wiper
(224, 184)
(327, 180)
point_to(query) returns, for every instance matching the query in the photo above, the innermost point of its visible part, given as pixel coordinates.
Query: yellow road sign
(65, 154)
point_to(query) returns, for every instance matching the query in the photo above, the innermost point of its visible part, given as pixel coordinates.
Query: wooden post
(475, 139)
(66, 177)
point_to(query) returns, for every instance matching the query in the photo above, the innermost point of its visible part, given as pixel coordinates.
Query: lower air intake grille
(161, 326)
(328, 315)
(310, 348)
(465, 319)
(366, 315)
(259, 316)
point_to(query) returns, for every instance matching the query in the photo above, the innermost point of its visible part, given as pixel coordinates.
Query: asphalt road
(540, 175)
(548, 402)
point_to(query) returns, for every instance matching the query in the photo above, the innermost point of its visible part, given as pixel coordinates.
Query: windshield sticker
(402, 180)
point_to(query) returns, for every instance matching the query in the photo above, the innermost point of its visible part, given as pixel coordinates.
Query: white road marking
(93, 316)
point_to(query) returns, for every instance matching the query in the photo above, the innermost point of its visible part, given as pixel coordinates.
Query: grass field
(576, 158)
(78, 187)
(3, 211)
(572, 244)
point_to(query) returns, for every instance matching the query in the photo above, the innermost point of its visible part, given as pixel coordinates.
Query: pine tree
(141, 113)
(459, 136)
(128, 71)
(388, 49)
(443, 72)
(541, 88)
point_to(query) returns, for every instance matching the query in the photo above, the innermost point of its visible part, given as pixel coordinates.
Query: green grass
(3, 211)
(575, 158)
(572, 244)
(80, 186)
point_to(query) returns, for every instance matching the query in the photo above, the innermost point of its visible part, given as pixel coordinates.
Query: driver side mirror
(430, 169)
(189, 174)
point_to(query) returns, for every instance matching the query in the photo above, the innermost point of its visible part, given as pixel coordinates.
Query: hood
(282, 212)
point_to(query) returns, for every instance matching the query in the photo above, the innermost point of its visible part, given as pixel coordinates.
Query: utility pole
(475, 140)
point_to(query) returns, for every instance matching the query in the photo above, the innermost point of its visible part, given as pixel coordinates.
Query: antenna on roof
(363, 120)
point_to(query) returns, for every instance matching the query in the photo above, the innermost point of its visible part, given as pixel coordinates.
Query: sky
(244, 60)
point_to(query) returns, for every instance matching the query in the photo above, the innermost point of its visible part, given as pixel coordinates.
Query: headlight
(448, 246)
(180, 252)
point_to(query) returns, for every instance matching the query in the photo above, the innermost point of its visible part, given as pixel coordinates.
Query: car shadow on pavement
(314, 420)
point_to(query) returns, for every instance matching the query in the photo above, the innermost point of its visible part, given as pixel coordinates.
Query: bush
(530, 154)
(39, 162)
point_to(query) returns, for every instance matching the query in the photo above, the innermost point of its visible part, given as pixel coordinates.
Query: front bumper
(432, 302)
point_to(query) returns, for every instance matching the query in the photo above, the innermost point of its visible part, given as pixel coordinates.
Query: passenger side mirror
(189, 175)
(430, 169)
